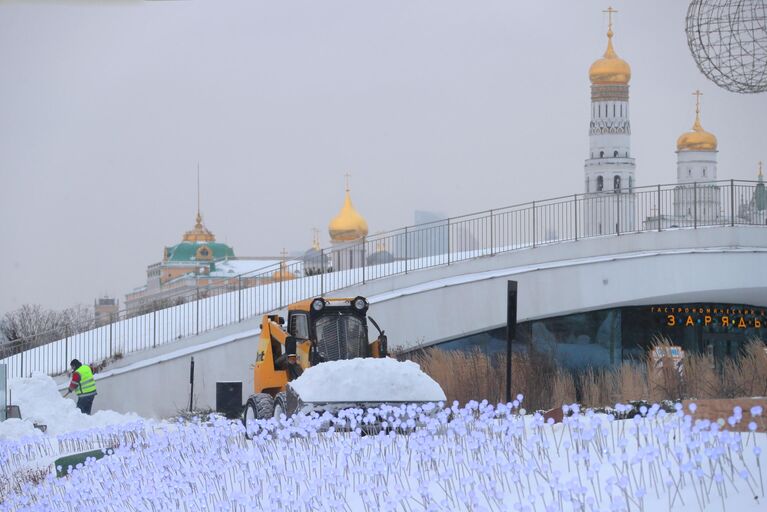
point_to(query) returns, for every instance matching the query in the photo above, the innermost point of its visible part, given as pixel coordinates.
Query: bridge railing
(191, 310)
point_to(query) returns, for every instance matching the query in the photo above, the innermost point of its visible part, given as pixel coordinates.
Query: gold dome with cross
(610, 69)
(697, 139)
(348, 225)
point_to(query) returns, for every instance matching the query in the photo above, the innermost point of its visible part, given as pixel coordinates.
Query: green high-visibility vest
(87, 384)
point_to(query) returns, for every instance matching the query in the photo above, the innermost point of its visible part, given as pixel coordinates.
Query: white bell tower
(697, 198)
(609, 171)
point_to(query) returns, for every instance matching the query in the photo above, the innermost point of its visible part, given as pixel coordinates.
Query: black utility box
(229, 399)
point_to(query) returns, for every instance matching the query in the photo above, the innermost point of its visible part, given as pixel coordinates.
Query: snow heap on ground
(367, 381)
(41, 402)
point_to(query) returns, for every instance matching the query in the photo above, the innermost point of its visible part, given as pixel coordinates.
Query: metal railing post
(154, 328)
(448, 240)
(533, 224)
(575, 214)
(364, 262)
(323, 268)
(239, 298)
(66, 352)
(111, 346)
(659, 209)
(281, 276)
(695, 205)
(197, 314)
(492, 238)
(732, 203)
(407, 256)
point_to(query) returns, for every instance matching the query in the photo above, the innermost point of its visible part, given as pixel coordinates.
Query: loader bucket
(361, 383)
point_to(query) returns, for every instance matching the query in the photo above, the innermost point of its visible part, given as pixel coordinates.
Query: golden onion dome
(610, 69)
(697, 139)
(348, 225)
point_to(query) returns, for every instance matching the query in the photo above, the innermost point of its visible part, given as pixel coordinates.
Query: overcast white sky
(106, 108)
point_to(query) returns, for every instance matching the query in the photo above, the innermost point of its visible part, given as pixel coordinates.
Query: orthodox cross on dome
(283, 272)
(697, 126)
(347, 176)
(315, 239)
(610, 11)
(697, 95)
(760, 169)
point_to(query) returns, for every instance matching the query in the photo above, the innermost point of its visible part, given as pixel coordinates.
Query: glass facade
(607, 337)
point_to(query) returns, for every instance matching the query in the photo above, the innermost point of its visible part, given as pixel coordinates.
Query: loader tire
(280, 404)
(259, 407)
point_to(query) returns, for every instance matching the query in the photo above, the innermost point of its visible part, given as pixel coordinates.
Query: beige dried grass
(476, 376)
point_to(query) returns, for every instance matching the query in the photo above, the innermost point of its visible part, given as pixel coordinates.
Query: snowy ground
(24, 448)
(475, 458)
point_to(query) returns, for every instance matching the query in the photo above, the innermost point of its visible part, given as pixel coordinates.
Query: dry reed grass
(463, 376)
(476, 376)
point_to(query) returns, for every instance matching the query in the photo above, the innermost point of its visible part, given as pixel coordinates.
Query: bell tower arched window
(617, 184)
(600, 183)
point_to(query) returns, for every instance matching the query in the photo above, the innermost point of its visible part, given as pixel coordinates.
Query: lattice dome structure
(728, 40)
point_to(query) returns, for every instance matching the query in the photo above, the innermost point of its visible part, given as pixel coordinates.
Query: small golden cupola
(283, 274)
(610, 69)
(199, 233)
(348, 225)
(697, 139)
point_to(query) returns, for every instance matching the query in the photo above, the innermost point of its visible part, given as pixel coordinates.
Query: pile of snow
(41, 402)
(14, 428)
(367, 381)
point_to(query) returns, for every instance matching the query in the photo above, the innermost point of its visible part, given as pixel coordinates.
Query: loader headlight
(318, 304)
(359, 303)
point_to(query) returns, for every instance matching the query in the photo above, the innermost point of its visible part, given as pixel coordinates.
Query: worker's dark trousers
(84, 403)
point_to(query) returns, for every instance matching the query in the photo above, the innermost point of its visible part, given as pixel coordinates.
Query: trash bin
(229, 399)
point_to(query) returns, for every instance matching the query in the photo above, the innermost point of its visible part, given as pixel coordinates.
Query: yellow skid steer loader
(318, 330)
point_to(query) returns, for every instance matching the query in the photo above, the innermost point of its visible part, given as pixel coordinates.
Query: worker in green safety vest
(83, 384)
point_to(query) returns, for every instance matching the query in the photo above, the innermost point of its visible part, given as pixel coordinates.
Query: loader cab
(338, 327)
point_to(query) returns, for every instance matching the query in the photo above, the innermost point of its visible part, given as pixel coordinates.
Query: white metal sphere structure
(728, 40)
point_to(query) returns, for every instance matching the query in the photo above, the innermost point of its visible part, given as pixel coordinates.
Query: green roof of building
(187, 251)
